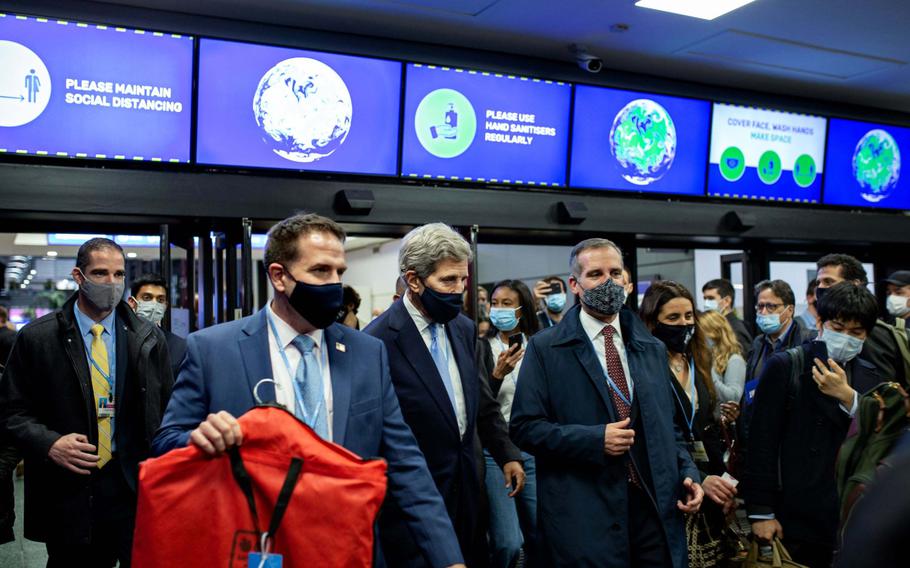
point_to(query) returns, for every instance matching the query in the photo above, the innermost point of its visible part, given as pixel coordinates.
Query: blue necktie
(437, 350)
(309, 379)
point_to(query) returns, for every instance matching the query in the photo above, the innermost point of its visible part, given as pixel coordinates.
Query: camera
(586, 61)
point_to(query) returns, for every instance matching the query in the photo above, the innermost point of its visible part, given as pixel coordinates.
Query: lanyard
(107, 376)
(298, 399)
(690, 420)
(613, 386)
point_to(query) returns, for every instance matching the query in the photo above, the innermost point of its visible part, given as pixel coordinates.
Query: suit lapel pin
(340, 347)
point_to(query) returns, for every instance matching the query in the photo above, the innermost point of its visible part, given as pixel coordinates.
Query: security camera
(590, 63)
(586, 61)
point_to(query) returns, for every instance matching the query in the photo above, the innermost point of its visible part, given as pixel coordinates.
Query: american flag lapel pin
(340, 347)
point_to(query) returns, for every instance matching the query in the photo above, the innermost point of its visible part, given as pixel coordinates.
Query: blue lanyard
(690, 420)
(107, 375)
(298, 402)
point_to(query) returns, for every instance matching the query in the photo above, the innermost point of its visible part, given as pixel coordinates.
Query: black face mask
(819, 294)
(676, 337)
(441, 307)
(319, 305)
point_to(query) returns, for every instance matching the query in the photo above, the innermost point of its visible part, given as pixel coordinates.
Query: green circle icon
(804, 171)
(732, 164)
(769, 168)
(445, 123)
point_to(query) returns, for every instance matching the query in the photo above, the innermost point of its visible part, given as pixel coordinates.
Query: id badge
(751, 387)
(271, 561)
(698, 452)
(106, 408)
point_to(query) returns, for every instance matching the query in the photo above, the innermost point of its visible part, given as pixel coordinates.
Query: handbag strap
(243, 479)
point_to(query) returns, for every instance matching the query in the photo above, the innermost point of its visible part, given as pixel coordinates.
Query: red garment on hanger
(192, 512)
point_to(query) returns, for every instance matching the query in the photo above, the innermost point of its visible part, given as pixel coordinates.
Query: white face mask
(897, 305)
(151, 310)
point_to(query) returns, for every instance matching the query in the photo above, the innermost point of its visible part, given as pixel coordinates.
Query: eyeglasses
(769, 307)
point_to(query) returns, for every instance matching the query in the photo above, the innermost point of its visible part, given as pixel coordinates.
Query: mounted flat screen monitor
(69, 89)
(864, 165)
(274, 107)
(484, 127)
(632, 141)
(766, 154)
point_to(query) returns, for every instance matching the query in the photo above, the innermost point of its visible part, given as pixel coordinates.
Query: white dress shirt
(594, 330)
(284, 385)
(423, 326)
(506, 393)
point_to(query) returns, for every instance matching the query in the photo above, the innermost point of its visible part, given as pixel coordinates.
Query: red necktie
(618, 376)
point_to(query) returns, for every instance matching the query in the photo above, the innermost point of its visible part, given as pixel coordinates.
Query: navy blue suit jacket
(428, 411)
(561, 408)
(222, 365)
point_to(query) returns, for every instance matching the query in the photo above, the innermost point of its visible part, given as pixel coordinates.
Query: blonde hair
(716, 328)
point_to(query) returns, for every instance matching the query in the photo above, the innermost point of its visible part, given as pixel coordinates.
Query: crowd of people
(565, 429)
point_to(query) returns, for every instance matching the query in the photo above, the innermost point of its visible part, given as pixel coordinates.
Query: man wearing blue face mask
(148, 298)
(431, 347)
(802, 410)
(551, 294)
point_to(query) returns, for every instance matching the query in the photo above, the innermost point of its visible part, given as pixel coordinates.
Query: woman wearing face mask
(668, 310)
(800, 419)
(728, 368)
(513, 520)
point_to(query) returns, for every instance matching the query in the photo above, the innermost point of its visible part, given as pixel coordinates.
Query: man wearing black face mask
(431, 355)
(82, 394)
(331, 377)
(594, 405)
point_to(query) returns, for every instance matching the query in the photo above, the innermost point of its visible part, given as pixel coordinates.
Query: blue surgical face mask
(712, 306)
(556, 302)
(769, 323)
(841, 346)
(504, 319)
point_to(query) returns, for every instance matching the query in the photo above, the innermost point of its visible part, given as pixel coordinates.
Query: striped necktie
(101, 388)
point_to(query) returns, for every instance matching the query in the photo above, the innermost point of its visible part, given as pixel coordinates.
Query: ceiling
(838, 50)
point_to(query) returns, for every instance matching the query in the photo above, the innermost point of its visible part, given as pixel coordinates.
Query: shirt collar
(783, 337)
(594, 327)
(85, 323)
(420, 320)
(286, 333)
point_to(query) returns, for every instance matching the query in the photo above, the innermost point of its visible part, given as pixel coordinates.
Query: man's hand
(765, 531)
(618, 438)
(729, 412)
(507, 361)
(832, 381)
(74, 453)
(694, 496)
(515, 477)
(719, 490)
(218, 433)
(541, 290)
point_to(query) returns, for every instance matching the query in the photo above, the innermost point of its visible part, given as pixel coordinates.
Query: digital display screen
(275, 107)
(484, 127)
(69, 89)
(630, 141)
(864, 165)
(766, 154)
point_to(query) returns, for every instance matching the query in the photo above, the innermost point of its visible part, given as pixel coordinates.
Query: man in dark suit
(334, 378)
(799, 422)
(81, 397)
(594, 406)
(148, 298)
(431, 358)
(720, 295)
(9, 456)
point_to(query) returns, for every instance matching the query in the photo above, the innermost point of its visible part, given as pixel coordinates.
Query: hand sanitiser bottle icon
(449, 128)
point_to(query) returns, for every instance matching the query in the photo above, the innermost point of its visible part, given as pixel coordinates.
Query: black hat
(899, 278)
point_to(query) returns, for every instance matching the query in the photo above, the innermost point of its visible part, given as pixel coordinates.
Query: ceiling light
(33, 272)
(703, 9)
(51, 253)
(23, 286)
(131, 255)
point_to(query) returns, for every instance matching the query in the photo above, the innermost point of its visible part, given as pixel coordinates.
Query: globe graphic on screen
(876, 165)
(643, 141)
(303, 108)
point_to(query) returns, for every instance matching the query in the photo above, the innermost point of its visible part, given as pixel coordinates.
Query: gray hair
(424, 247)
(587, 244)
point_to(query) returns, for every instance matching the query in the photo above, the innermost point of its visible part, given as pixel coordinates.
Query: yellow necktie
(102, 390)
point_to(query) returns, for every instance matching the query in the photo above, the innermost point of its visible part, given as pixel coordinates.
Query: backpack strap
(797, 360)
